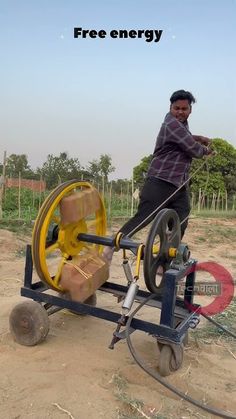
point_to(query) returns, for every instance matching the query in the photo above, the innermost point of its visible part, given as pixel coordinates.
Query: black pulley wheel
(164, 234)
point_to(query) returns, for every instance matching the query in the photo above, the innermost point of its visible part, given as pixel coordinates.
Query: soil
(73, 373)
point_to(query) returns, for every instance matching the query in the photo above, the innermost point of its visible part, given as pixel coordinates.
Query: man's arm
(202, 140)
(179, 134)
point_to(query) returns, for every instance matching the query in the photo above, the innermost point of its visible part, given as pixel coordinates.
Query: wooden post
(103, 187)
(127, 197)
(213, 203)
(2, 183)
(109, 203)
(121, 198)
(199, 200)
(226, 200)
(32, 188)
(132, 198)
(218, 201)
(19, 196)
(192, 200)
(40, 191)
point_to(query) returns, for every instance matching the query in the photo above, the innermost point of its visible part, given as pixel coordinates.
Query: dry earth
(73, 374)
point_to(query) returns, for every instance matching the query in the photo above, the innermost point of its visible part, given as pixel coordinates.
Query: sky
(92, 96)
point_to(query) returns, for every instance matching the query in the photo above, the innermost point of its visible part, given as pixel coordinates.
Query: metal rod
(127, 270)
(148, 327)
(107, 241)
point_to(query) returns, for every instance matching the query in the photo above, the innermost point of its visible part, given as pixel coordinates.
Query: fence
(20, 202)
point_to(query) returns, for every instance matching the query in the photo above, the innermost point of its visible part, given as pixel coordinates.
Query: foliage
(57, 169)
(219, 173)
(209, 182)
(17, 226)
(27, 199)
(121, 186)
(141, 170)
(215, 214)
(18, 164)
(94, 170)
(226, 319)
(101, 168)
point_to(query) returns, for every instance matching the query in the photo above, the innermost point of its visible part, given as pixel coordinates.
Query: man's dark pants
(155, 191)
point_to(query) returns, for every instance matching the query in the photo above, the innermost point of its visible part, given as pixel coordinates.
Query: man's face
(180, 110)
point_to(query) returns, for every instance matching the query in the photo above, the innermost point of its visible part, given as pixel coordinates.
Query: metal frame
(171, 306)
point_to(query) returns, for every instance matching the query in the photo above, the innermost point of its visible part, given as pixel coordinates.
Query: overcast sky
(94, 96)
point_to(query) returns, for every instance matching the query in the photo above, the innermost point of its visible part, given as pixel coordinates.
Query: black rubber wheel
(165, 230)
(168, 362)
(29, 323)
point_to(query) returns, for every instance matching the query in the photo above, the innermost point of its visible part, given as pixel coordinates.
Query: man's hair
(182, 95)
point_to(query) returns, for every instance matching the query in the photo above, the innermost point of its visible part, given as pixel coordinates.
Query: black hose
(159, 378)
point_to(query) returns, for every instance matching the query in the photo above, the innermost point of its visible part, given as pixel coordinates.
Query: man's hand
(210, 151)
(202, 140)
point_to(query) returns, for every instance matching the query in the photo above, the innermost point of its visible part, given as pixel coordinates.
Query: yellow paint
(138, 261)
(67, 241)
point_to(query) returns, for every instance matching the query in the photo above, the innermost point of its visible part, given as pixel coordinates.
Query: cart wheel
(29, 323)
(169, 360)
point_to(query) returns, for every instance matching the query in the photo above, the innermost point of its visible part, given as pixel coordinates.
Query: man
(169, 169)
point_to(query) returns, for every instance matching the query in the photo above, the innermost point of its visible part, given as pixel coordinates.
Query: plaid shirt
(175, 147)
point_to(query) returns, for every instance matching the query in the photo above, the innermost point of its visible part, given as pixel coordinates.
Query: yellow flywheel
(70, 209)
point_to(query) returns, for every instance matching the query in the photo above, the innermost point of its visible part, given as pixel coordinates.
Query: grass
(216, 234)
(17, 226)
(226, 319)
(132, 408)
(215, 214)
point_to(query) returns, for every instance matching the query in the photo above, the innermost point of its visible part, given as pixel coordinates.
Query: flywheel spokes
(55, 238)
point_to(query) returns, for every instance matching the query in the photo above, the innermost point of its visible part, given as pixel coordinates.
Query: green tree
(18, 163)
(219, 171)
(120, 185)
(101, 168)
(141, 170)
(105, 164)
(94, 170)
(57, 169)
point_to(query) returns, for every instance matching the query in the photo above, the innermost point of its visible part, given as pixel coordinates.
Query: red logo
(223, 279)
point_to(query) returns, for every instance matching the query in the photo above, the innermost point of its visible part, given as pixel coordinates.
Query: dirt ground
(73, 374)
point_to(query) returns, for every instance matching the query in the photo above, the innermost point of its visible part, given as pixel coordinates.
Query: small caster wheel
(29, 323)
(170, 360)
